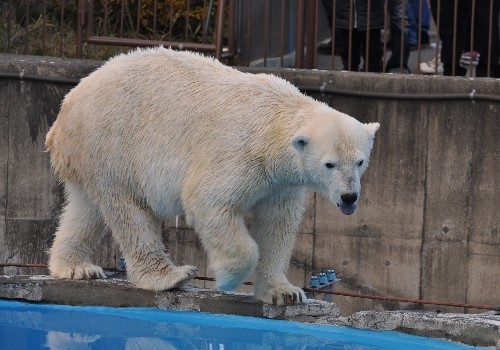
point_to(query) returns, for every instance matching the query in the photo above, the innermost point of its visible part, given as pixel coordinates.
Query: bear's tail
(59, 159)
(51, 136)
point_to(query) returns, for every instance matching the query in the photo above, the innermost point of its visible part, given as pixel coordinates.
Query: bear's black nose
(349, 198)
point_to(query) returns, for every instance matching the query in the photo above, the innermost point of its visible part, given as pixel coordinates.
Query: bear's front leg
(232, 253)
(138, 232)
(275, 224)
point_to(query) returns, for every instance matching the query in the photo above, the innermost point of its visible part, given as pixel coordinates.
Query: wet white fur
(157, 133)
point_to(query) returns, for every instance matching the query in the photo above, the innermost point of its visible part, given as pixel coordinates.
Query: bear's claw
(283, 295)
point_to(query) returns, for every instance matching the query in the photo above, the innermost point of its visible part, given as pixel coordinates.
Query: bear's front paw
(77, 272)
(284, 294)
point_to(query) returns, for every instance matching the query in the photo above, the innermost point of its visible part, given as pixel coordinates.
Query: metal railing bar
(366, 59)
(147, 43)
(219, 29)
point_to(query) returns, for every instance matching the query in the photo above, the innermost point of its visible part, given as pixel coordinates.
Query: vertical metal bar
(384, 45)
(170, 29)
(80, 22)
(89, 24)
(334, 24)
(299, 46)
(122, 16)
(490, 39)
(9, 26)
(249, 28)
(471, 47)
(219, 29)
(454, 50)
(106, 15)
(282, 33)
(188, 9)
(419, 39)
(310, 27)
(232, 28)
(316, 24)
(266, 31)
(61, 29)
(204, 21)
(44, 25)
(402, 39)
(138, 23)
(26, 28)
(349, 55)
(438, 37)
(155, 9)
(366, 60)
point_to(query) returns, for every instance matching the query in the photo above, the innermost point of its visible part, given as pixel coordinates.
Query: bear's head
(333, 150)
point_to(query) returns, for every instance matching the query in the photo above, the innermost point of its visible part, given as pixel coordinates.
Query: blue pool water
(41, 326)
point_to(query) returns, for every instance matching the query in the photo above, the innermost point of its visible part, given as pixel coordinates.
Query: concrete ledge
(119, 293)
(476, 330)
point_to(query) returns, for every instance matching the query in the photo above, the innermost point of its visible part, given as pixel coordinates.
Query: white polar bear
(157, 133)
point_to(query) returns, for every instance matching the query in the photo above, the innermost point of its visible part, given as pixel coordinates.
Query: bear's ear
(300, 141)
(372, 128)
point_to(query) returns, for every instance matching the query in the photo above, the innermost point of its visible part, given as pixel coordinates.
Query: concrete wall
(426, 227)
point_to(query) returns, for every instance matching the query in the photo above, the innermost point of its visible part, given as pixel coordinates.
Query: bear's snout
(349, 198)
(348, 203)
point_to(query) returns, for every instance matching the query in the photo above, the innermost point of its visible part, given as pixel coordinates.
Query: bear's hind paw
(175, 277)
(78, 272)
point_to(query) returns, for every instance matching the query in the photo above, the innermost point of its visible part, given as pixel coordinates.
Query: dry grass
(39, 32)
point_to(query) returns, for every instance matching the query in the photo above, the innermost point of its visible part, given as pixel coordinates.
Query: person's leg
(355, 50)
(397, 22)
(451, 51)
(487, 48)
(412, 15)
(374, 58)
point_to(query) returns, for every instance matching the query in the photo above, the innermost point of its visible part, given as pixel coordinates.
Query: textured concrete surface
(119, 293)
(477, 330)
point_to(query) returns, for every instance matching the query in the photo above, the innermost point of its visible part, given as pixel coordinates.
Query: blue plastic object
(322, 278)
(330, 275)
(314, 282)
(121, 263)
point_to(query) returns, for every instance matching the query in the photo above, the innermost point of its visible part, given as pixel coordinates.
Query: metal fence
(451, 37)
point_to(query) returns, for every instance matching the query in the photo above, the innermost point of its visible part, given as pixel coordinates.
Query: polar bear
(157, 133)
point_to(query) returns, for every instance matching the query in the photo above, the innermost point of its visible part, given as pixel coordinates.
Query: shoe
(398, 70)
(325, 48)
(425, 40)
(469, 58)
(430, 67)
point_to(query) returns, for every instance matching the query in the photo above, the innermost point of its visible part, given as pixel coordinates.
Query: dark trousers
(358, 50)
(399, 27)
(482, 29)
(462, 35)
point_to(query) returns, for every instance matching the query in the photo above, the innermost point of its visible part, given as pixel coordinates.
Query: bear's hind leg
(80, 231)
(138, 232)
(275, 224)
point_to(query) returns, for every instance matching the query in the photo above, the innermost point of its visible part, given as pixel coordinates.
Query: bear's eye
(360, 163)
(330, 165)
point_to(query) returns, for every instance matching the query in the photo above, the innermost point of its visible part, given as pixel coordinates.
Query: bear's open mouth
(347, 209)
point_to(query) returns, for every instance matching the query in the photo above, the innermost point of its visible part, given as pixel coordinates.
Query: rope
(404, 300)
